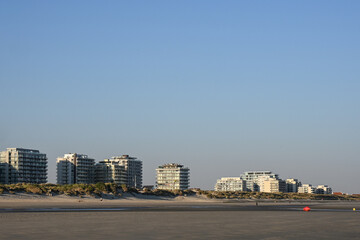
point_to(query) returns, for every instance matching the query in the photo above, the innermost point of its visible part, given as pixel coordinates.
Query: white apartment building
(133, 168)
(230, 184)
(20, 165)
(110, 171)
(172, 177)
(273, 185)
(292, 185)
(251, 178)
(323, 189)
(75, 168)
(259, 182)
(306, 188)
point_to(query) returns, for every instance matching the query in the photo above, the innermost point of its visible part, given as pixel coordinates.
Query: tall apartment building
(110, 171)
(259, 182)
(323, 189)
(292, 185)
(133, 168)
(273, 185)
(251, 178)
(4, 172)
(75, 168)
(172, 177)
(306, 188)
(230, 184)
(20, 165)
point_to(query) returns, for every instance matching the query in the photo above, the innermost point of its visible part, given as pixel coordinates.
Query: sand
(61, 217)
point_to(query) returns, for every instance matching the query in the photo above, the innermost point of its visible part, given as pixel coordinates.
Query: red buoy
(306, 209)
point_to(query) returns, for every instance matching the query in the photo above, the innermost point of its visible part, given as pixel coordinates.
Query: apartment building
(306, 188)
(323, 189)
(273, 185)
(133, 168)
(172, 177)
(4, 172)
(75, 168)
(20, 165)
(110, 171)
(230, 184)
(252, 181)
(292, 185)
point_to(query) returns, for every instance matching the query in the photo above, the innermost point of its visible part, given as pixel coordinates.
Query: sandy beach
(62, 217)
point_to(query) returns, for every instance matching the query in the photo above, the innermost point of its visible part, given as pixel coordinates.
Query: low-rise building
(172, 177)
(230, 184)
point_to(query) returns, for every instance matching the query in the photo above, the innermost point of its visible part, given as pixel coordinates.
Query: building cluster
(79, 168)
(19, 165)
(266, 181)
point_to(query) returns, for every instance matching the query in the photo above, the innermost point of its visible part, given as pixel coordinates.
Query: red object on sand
(306, 209)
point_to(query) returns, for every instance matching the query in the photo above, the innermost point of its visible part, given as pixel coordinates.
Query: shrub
(124, 188)
(112, 188)
(100, 186)
(34, 189)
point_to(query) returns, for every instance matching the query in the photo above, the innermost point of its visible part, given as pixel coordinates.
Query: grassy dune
(103, 189)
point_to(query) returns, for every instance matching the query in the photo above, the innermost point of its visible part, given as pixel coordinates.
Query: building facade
(251, 178)
(172, 177)
(230, 184)
(75, 168)
(110, 171)
(323, 189)
(273, 185)
(20, 165)
(133, 168)
(306, 188)
(292, 185)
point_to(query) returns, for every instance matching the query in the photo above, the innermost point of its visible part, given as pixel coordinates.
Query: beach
(62, 217)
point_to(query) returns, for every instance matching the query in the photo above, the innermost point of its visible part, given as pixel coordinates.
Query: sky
(221, 87)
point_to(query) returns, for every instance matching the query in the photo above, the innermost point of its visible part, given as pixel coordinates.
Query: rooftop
(171, 165)
(23, 150)
(124, 157)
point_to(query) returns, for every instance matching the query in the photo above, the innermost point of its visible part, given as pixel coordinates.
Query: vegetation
(276, 196)
(99, 189)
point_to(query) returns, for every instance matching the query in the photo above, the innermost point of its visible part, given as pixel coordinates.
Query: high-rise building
(323, 189)
(20, 165)
(133, 168)
(273, 185)
(75, 168)
(172, 177)
(259, 182)
(251, 178)
(110, 171)
(292, 185)
(4, 172)
(306, 188)
(230, 184)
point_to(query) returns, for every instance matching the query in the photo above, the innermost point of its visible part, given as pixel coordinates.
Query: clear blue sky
(220, 86)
